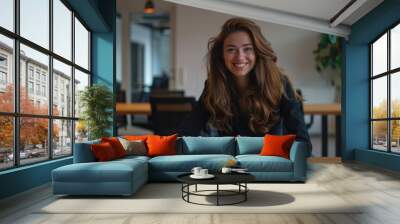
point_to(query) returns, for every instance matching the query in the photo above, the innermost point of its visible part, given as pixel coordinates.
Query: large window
(385, 91)
(44, 64)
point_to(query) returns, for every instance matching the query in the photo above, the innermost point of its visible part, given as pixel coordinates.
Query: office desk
(324, 110)
(310, 109)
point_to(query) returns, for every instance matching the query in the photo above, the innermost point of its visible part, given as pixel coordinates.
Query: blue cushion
(206, 145)
(83, 153)
(257, 163)
(185, 163)
(249, 145)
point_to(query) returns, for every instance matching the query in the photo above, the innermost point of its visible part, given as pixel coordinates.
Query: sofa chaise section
(87, 177)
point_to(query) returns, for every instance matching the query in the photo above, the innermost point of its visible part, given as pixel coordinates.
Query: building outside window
(384, 92)
(3, 72)
(38, 89)
(59, 125)
(30, 72)
(43, 77)
(30, 87)
(37, 75)
(3, 61)
(43, 90)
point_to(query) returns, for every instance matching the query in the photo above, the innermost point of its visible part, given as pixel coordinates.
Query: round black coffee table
(238, 179)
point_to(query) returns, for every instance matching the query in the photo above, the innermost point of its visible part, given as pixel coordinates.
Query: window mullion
(389, 106)
(50, 81)
(16, 84)
(73, 82)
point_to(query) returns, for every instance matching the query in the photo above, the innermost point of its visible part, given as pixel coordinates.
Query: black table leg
(324, 132)
(338, 136)
(217, 194)
(245, 193)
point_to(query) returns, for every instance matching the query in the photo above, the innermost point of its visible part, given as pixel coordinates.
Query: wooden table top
(145, 109)
(323, 109)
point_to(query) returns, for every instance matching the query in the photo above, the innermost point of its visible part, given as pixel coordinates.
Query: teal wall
(24, 178)
(103, 53)
(356, 85)
(99, 15)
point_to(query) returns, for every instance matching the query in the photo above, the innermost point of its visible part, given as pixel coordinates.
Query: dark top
(228, 178)
(291, 120)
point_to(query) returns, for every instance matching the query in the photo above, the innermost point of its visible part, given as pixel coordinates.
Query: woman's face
(239, 56)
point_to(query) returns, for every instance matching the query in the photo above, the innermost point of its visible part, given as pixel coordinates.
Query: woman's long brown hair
(266, 81)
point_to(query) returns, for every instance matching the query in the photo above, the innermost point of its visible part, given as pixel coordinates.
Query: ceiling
(315, 15)
(319, 9)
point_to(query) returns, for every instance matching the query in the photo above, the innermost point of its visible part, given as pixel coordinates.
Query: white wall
(141, 34)
(118, 42)
(161, 52)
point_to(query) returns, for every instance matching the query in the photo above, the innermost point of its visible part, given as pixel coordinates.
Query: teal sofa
(125, 176)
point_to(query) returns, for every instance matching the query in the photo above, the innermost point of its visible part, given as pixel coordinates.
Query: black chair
(168, 112)
(121, 120)
(166, 93)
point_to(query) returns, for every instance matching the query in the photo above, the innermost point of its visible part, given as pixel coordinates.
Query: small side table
(238, 179)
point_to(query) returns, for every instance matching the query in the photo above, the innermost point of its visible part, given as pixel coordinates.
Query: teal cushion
(249, 145)
(185, 163)
(206, 145)
(257, 163)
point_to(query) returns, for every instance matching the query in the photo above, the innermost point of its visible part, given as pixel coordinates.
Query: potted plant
(328, 59)
(96, 102)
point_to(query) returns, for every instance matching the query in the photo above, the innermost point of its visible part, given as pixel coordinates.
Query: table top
(323, 109)
(133, 108)
(220, 178)
(144, 108)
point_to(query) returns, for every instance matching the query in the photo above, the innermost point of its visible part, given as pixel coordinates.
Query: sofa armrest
(83, 152)
(298, 155)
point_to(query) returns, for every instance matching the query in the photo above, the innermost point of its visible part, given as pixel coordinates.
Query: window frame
(388, 74)
(16, 115)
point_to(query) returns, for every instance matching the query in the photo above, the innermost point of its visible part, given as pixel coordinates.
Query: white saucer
(208, 176)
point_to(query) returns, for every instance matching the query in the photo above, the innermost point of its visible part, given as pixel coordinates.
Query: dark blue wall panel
(356, 85)
(24, 178)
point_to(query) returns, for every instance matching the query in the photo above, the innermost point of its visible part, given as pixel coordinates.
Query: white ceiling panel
(320, 9)
(314, 15)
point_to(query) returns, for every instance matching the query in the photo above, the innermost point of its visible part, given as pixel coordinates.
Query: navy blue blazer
(291, 120)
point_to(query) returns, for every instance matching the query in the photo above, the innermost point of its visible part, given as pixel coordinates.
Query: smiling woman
(245, 93)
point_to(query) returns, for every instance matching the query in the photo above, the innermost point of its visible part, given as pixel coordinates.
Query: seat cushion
(184, 163)
(257, 163)
(111, 171)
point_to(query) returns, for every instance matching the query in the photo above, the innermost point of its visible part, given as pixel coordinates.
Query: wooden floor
(377, 188)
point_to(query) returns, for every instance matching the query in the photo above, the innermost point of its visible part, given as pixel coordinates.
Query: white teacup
(226, 170)
(196, 171)
(203, 172)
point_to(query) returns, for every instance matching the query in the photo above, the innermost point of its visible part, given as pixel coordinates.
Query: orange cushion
(103, 151)
(161, 145)
(135, 137)
(277, 145)
(116, 145)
